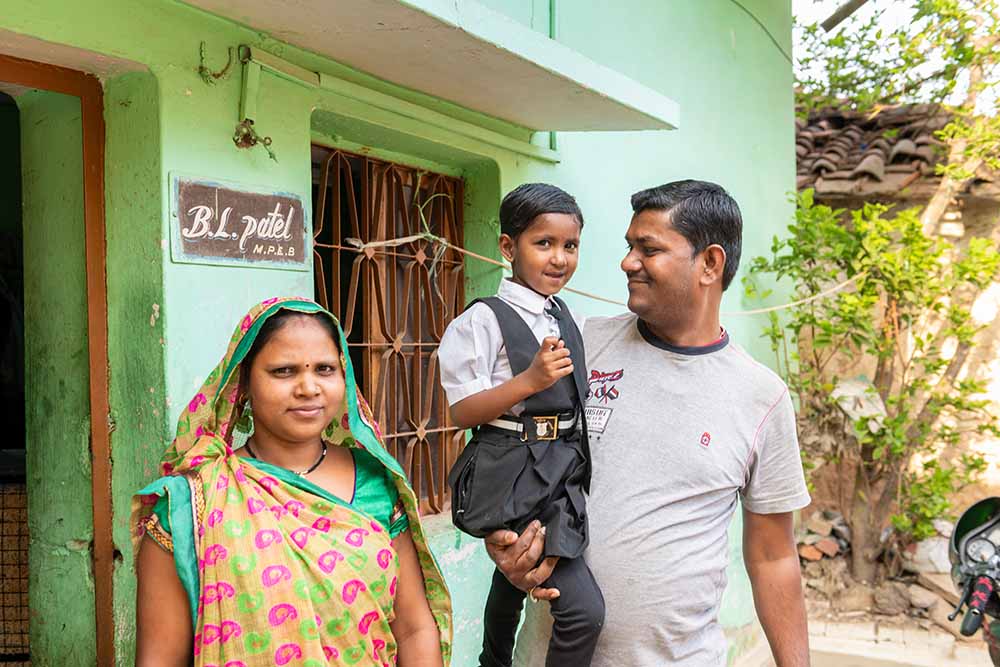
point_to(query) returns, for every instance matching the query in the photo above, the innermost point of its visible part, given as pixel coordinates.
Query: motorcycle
(974, 552)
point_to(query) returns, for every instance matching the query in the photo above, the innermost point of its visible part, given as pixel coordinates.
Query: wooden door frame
(88, 89)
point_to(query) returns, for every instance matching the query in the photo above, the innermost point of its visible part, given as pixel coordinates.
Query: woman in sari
(282, 532)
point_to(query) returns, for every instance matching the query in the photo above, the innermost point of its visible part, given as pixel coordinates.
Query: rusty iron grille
(14, 571)
(393, 302)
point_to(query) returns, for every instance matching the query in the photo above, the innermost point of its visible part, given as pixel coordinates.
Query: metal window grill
(14, 568)
(393, 302)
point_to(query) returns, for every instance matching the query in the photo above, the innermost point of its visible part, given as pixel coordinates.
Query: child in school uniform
(513, 368)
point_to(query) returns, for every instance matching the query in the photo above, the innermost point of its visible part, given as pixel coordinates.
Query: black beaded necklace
(303, 473)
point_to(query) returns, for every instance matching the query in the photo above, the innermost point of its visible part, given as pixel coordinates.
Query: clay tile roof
(927, 154)
(891, 153)
(882, 144)
(873, 165)
(903, 150)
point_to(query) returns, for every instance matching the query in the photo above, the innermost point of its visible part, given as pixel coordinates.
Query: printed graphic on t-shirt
(602, 389)
(603, 386)
(597, 418)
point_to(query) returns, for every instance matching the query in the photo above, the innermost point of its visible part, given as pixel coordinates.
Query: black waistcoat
(569, 393)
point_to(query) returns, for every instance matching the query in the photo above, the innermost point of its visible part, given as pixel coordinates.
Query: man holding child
(681, 423)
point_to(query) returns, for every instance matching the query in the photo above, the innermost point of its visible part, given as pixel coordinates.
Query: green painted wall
(60, 514)
(168, 322)
(532, 13)
(734, 88)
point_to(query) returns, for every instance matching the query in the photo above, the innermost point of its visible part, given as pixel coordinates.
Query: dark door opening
(62, 141)
(14, 647)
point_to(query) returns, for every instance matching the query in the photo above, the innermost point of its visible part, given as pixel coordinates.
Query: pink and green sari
(279, 571)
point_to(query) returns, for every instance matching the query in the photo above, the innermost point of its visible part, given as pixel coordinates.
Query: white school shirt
(471, 355)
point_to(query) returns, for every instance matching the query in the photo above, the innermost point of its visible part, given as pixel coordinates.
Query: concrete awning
(463, 52)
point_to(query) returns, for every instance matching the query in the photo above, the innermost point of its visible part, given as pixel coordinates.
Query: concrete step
(877, 644)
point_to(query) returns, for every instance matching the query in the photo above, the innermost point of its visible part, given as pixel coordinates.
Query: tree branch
(949, 187)
(946, 380)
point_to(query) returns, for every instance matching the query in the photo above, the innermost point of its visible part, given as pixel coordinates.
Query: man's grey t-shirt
(677, 434)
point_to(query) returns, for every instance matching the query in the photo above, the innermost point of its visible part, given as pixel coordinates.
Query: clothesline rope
(444, 243)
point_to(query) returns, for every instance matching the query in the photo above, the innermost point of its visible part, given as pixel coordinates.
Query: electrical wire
(763, 27)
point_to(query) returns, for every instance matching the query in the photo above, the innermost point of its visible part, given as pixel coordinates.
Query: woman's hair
(528, 201)
(270, 327)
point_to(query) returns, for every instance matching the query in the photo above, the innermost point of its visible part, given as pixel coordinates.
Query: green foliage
(947, 54)
(865, 63)
(903, 317)
(926, 494)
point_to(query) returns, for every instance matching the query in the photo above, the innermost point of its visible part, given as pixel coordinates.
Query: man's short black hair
(703, 213)
(526, 202)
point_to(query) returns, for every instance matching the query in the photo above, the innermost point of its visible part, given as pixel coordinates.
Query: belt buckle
(546, 428)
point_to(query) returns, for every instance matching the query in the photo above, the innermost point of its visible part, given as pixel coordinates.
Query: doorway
(56, 552)
(14, 645)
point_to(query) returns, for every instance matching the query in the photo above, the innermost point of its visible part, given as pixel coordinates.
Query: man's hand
(551, 363)
(517, 557)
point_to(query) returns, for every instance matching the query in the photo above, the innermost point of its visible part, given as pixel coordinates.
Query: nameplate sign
(217, 223)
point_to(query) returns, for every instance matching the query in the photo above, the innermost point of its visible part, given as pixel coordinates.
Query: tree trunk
(948, 188)
(865, 530)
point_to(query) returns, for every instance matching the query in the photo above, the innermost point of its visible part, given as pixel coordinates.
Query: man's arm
(773, 565)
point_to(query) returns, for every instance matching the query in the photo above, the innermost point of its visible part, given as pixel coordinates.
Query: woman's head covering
(208, 414)
(202, 427)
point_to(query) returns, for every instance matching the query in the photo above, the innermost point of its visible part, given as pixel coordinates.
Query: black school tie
(574, 341)
(555, 311)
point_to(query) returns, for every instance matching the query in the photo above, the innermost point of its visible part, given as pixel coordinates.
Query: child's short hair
(530, 200)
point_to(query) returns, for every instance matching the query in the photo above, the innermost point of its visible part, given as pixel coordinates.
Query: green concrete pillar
(60, 511)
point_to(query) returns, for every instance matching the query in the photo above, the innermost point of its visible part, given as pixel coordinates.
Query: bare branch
(842, 13)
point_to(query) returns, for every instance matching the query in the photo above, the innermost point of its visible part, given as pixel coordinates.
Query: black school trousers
(578, 615)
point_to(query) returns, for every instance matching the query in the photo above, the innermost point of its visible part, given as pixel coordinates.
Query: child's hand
(551, 363)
